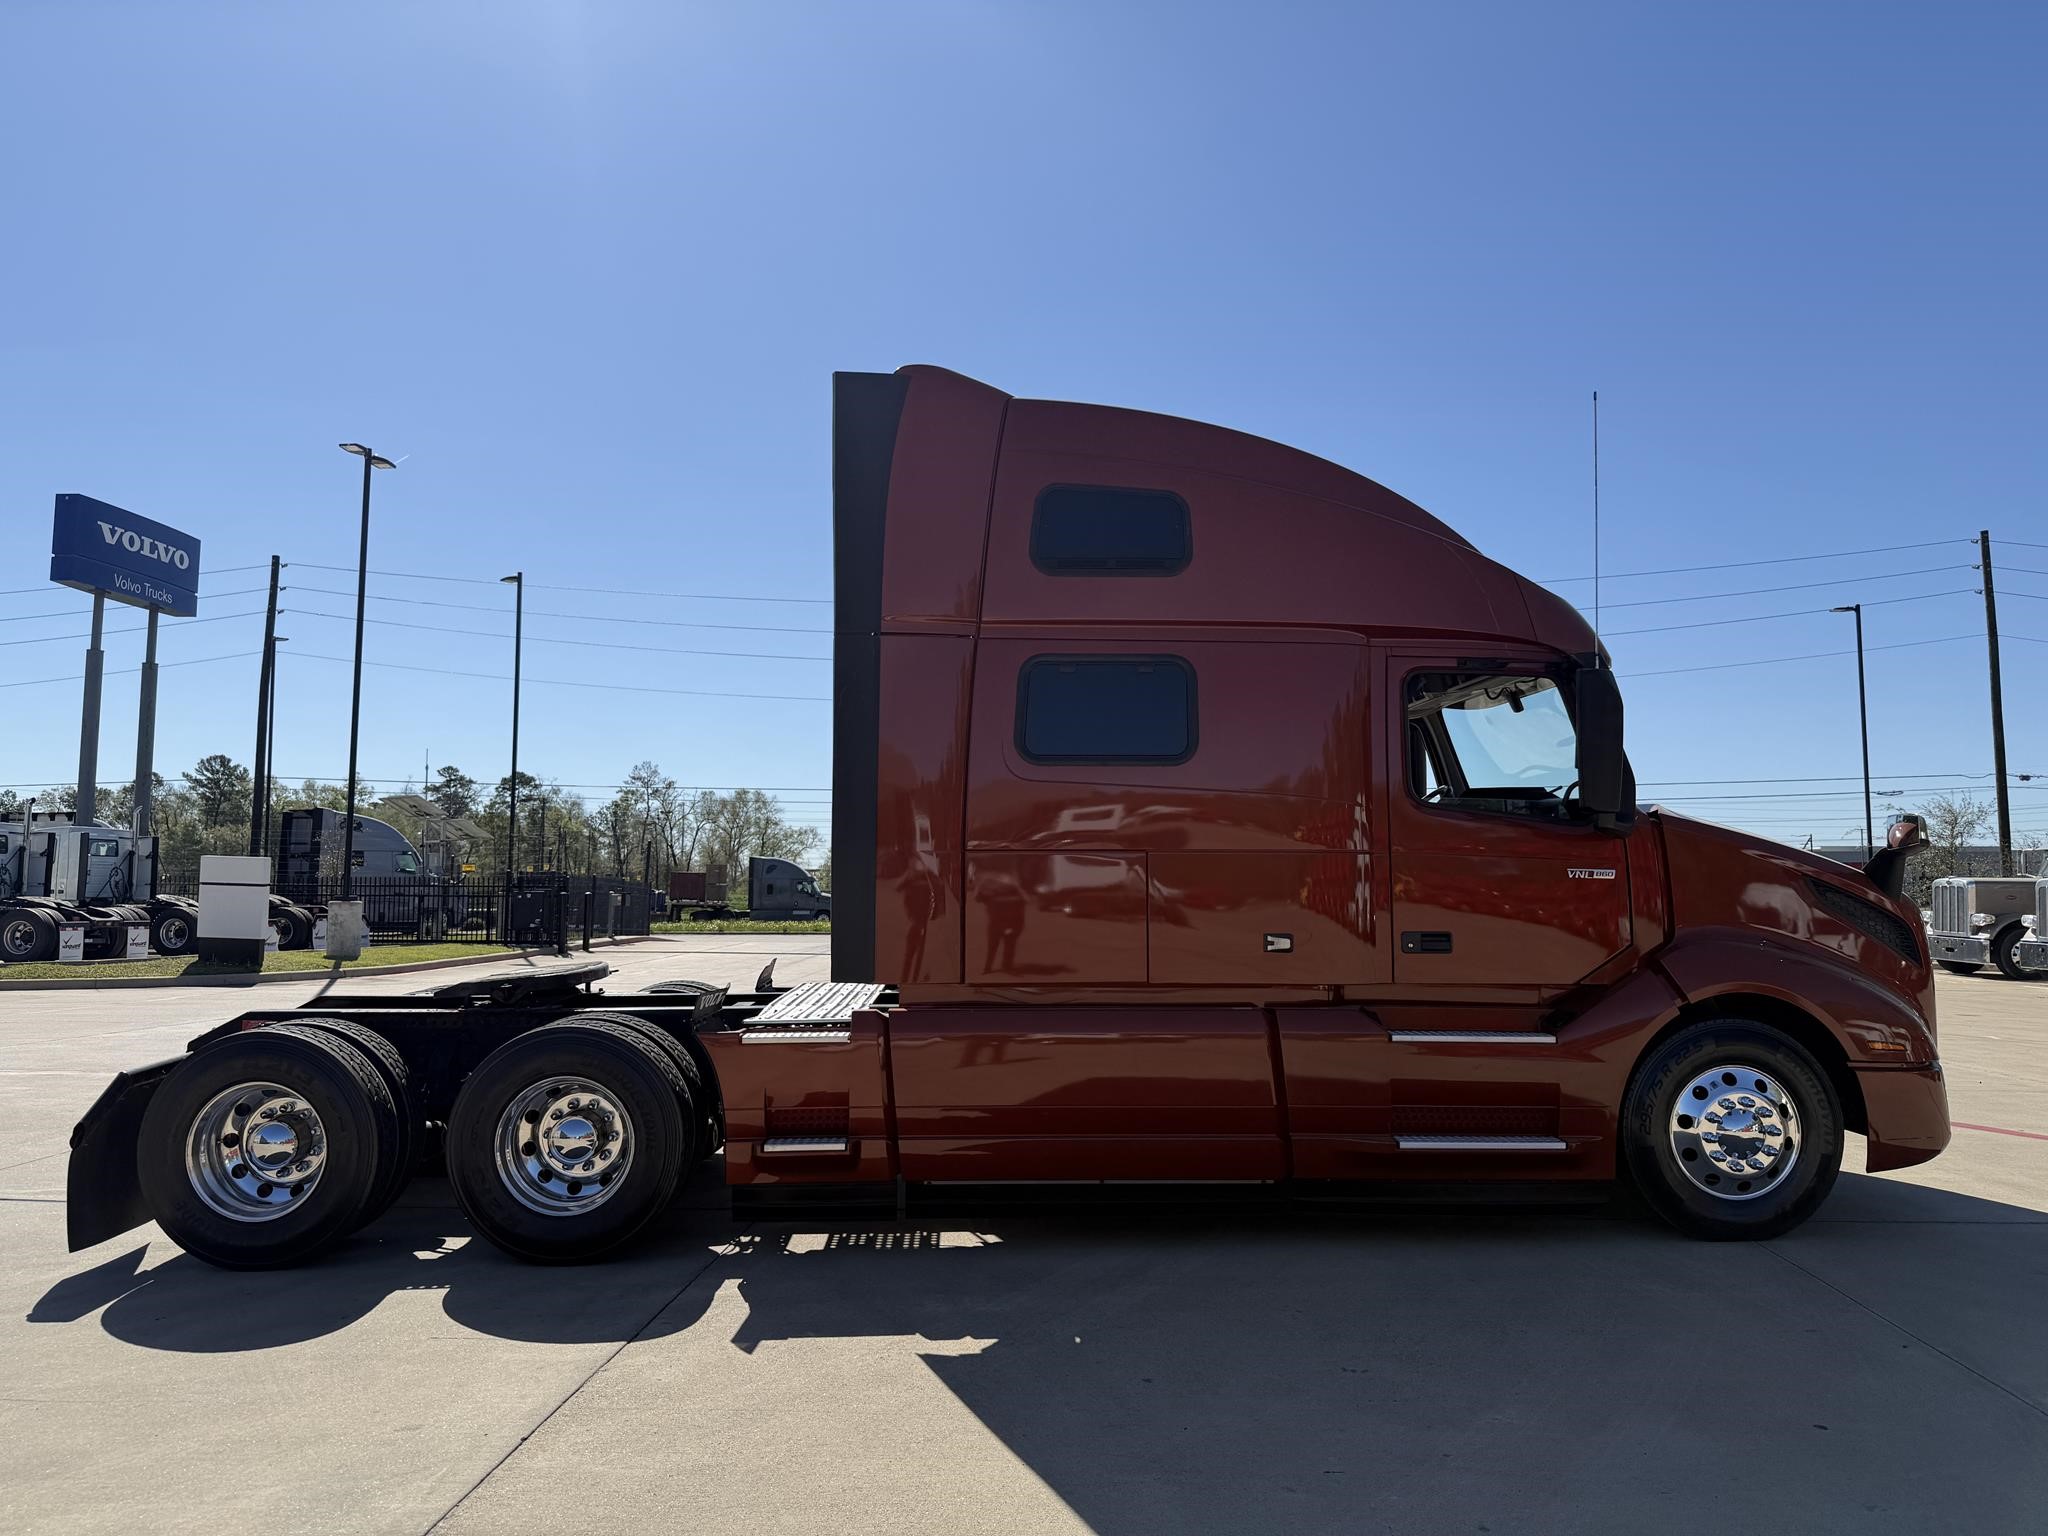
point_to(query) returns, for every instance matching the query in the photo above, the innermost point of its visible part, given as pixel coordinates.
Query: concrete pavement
(1883, 1369)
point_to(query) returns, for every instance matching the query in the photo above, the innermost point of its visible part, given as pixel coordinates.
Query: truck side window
(1106, 530)
(1106, 709)
(408, 865)
(1499, 742)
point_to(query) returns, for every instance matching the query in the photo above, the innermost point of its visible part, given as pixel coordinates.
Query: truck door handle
(1434, 943)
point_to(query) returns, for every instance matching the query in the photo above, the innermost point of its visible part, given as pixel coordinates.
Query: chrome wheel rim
(173, 932)
(564, 1145)
(1735, 1132)
(21, 937)
(255, 1151)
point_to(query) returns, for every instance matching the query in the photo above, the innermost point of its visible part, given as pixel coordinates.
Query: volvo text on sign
(96, 547)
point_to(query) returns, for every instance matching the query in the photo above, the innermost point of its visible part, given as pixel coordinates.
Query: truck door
(1497, 881)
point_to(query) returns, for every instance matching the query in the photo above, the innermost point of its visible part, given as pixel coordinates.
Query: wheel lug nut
(575, 1103)
(587, 1167)
(554, 1114)
(605, 1156)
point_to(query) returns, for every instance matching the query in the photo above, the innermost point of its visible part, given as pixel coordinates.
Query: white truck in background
(1989, 921)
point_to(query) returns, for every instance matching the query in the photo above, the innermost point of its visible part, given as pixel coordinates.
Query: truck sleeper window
(1491, 742)
(1105, 530)
(1106, 709)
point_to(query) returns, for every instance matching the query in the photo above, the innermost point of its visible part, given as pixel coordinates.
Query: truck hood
(1722, 876)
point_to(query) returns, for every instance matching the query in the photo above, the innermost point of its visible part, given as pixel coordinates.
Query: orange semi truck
(1203, 811)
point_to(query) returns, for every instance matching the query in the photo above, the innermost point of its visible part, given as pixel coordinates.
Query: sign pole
(89, 722)
(145, 732)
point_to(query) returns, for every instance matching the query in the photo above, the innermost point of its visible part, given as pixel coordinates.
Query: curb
(125, 983)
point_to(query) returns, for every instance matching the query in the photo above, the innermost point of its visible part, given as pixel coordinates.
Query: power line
(72, 613)
(588, 618)
(488, 581)
(1771, 661)
(198, 661)
(2024, 570)
(1796, 613)
(562, 682)
(132, 629)
(1797, 586)
(1848, 795)
(609, 645)
(1735, 565)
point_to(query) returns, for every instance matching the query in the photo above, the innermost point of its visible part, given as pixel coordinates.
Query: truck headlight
(1981, 920)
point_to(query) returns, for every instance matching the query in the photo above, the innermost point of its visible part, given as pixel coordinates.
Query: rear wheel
(1959, 967)
(2004, 955)
(390, 1065)
(264, 1149)
(567, 1141)
(26, 934)
(1732, 1130)
(173, 932)
(294, 927)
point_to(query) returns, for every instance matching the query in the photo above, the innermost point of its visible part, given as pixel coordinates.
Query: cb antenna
(1596, 514)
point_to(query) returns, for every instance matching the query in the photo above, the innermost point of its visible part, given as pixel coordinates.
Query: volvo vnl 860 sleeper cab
(1203, 811)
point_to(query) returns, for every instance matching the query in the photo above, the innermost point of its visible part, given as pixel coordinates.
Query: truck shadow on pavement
(1227, 1372)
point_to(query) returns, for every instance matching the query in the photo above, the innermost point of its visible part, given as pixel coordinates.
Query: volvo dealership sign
(102, 549)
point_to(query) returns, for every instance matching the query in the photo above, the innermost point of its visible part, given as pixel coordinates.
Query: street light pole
(1863, 714)
(355, 703)
(518, 581)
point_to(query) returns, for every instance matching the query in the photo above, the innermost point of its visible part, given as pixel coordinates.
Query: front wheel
(1732, 1130)
(2005, 955)
(173, 932)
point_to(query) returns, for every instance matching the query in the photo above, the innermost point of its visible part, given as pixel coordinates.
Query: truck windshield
(408, 864)
(1497, 742)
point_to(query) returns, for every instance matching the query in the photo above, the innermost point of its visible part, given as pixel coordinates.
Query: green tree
(454, 791)
(220, 787)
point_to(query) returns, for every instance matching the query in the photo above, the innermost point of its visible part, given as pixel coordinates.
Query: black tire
(1648, 1120)
(27, 935)
(174, 931)
(390, 1065)
(648, 1089)
(699, 1101)
(295, 928)
(679, 988)
(1959, 967)
(359, 1121)
(2004, 956)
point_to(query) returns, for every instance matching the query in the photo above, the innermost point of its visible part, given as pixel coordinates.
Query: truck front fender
(1875, 1024)
(102, 1197)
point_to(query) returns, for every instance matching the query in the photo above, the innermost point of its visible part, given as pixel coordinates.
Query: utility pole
(518, 583)
(259, 798)
(1863, 715)
(355, 702)
(1997, 709)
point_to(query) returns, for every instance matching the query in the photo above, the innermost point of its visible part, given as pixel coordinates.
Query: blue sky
(591, 267)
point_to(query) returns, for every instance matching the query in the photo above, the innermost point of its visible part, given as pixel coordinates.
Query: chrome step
(814, 1144)
(796, 1037)
(1480, 1143)
(1472, 1037)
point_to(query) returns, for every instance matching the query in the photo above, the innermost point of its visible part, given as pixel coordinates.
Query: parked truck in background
(390, 877)
(2032, 951)
(103, 878)
(1203, 811)
(1981, 921)
(777, 891)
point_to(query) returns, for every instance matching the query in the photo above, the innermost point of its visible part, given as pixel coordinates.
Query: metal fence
(541, 910)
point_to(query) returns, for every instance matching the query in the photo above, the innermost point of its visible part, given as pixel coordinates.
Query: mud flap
(102, 1198)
